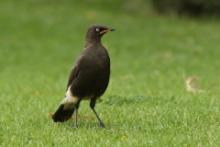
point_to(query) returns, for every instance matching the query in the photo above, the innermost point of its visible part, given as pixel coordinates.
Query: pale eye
(97, 29)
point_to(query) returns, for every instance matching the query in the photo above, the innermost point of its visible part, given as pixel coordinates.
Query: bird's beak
(106, 30)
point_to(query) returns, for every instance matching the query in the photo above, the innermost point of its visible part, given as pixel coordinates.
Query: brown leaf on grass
(192, 84)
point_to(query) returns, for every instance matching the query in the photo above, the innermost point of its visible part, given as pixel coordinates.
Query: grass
(146, 103)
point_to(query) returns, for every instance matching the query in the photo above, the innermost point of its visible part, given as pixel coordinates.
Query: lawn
(146, 103)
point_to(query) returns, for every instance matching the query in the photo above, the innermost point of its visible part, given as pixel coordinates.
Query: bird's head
(95, 33)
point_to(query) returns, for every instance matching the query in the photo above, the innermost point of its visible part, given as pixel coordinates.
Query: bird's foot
(75, 127)
(102, 125)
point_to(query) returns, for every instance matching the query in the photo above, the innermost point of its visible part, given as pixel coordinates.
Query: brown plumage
(89, 78)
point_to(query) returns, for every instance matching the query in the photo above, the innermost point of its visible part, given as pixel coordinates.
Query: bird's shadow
(88, 125)
(87, 122)
(117, 100)
(121, 100)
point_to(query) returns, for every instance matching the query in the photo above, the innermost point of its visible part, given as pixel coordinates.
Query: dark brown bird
(89, 78)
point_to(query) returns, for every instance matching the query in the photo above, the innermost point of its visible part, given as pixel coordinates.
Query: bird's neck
(93, 42)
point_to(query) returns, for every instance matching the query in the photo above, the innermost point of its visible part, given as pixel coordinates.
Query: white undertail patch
(69, 99)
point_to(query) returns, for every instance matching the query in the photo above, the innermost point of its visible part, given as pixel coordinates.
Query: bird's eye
(97, 29)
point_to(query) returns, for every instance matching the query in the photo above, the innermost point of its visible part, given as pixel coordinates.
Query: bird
(89, 78)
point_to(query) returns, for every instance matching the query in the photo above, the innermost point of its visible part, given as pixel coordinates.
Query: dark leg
(76, 115)
(76, 124)
(92, 106)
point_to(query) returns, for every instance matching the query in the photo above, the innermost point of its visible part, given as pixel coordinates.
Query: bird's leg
(92, 106)
(76, 115)
(76, 124)
(102, 125)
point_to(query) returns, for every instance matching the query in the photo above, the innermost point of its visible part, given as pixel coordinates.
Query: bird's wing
(81, 63)
(74, 72)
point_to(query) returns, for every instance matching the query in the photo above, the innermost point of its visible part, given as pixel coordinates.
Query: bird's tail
(63, 114)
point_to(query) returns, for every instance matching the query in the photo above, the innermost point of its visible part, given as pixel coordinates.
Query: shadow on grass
(138, 99)
(70, 125)
(87, 124)
(120, 100)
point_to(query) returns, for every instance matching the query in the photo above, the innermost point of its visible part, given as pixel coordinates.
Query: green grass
(146, 103)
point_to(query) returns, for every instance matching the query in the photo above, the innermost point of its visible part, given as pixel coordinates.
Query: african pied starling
(89, 78)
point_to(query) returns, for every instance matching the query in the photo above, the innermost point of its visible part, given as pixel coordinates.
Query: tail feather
(63, 114)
